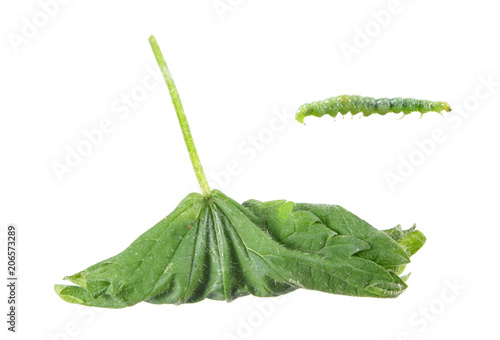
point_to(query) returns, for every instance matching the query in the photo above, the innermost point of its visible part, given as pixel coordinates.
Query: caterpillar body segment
(368, 105)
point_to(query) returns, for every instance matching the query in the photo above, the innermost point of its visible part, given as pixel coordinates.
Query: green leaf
(212, 247)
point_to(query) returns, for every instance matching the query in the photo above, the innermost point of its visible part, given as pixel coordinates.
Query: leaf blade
(219, 249)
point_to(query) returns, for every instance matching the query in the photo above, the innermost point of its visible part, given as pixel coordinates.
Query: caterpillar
(368, 105)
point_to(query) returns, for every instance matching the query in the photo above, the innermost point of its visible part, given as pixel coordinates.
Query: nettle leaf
(212, 247)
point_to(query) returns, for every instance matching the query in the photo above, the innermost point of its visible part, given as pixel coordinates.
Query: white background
(235, 68)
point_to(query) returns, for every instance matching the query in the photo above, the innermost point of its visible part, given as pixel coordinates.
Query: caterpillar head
(303, 111)
(440, 106)
(316, 109)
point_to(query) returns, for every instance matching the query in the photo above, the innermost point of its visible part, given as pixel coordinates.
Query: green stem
(188, 138)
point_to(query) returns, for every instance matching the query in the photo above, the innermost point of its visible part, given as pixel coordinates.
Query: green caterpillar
(368, 105)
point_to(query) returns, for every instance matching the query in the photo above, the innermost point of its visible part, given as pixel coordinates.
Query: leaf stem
(186, 132)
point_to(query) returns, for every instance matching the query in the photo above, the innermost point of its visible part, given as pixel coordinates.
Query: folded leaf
(212, 247)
